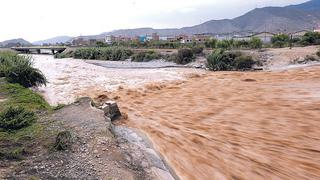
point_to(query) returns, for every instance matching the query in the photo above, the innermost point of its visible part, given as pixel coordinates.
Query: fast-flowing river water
(223, 125)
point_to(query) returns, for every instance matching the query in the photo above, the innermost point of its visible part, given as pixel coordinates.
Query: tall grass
(19, 69)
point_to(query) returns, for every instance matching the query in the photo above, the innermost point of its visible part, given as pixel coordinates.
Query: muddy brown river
(217, 125)
(233, 125)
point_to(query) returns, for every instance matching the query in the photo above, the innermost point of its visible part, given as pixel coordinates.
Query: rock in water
(63, 141)
(111, 110)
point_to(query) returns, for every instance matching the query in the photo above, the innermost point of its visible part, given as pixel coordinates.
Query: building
(155, 37)
(79, 42)
(264, 36)
(186, 40)
(201, 38)
(110, 39)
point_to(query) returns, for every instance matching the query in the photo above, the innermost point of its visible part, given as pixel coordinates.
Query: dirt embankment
(233, 125)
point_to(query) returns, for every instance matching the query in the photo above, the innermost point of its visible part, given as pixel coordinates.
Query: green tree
(311, 38)
(280, 40)
(255, 43)
(210, 43)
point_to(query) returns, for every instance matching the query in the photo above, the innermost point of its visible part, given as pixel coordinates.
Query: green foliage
(210, 43)
(18, 69)
(221, 60)
(17, 95)
(184, 56)
(197, 49)
(145, 56)
(243, 62)
(311, 38)
(62, 55)
(105, 53)
(241, 44)
(100, 44)
(225, 44)
(255, 43)
(63, 141)
(280, 40)
(15, 118)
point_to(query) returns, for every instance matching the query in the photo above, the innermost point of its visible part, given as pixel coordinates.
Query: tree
(280, 40)
(311, 38)
(255, 43)
(210, 43)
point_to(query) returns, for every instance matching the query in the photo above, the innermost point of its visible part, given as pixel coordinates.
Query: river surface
(222, 125)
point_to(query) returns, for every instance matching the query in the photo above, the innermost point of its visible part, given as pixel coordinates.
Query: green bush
(280, 40)
(221, 60)
(63, 141)
(197, 49)
(255, 43)
(184, 56)
(311, 38)
(18, 69)
(62, 55)
(210, 43)
(225, 44)
(145, 56)
(243, 62)
(15, 118)
(103, 53)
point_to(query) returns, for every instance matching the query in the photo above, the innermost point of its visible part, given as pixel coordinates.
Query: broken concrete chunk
(111, 110)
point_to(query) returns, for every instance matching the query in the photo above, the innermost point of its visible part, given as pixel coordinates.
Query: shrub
(225, 44)
(18, 69)
(220, 60)
(280, 40)
(63, 141)
(311, 38)
(62, 55)
(103, 53)
(255, 43)
(15, 118)
(145, 56)
(241, 44)
(243, 62)
(184, 56)
(210, 43)
(197, 49)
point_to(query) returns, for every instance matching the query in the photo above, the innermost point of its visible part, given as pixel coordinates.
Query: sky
(42, 19)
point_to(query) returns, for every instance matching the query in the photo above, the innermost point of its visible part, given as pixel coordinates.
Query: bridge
(39, 50)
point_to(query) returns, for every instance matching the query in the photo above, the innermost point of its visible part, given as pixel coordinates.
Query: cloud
(41, 19)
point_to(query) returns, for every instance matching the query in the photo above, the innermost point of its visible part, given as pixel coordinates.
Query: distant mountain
(291, 18)
(15, 42)
(307, 6)
(59, 39)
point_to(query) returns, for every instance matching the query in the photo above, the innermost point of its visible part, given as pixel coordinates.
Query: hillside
(274, 19)
(58, 39)
(15, 42)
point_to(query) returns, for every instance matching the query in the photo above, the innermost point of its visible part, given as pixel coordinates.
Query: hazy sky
(41, 19)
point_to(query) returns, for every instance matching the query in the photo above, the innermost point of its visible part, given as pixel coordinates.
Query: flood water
(233, 125)
(222, 125)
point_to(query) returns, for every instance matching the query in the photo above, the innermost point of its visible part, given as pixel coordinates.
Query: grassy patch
(17, 95)
(15, 144)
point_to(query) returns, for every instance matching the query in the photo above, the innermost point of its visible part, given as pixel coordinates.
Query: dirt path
(233, 125)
